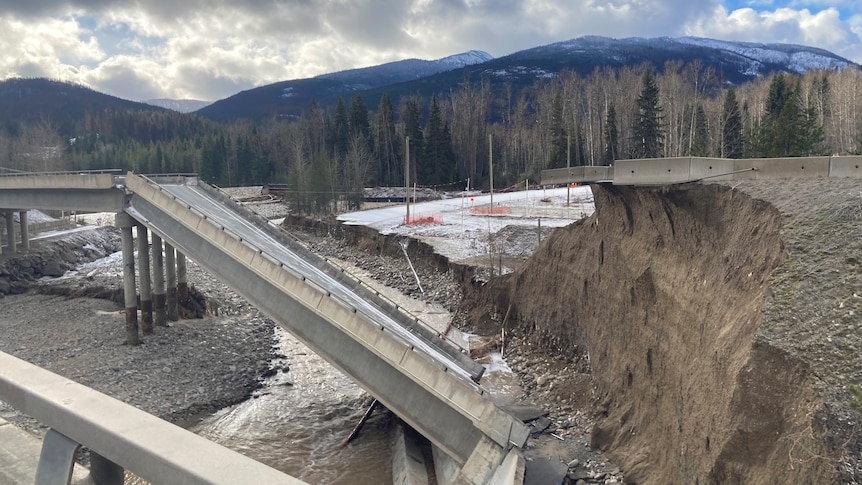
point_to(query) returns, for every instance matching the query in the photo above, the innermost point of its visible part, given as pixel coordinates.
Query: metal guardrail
(118, 435)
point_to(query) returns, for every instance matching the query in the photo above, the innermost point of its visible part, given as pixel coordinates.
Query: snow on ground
(464, 234)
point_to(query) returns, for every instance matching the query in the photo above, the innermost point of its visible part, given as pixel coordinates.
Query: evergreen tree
(611, 152)
(732, 141)
(386, 147)
(339, 131)
(358, 119)
(648, 130)
(788, 128)
(437, 165)
(700, 138)
(559, 138)
(412, 129)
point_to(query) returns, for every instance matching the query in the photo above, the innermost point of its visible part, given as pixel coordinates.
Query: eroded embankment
(665, 290)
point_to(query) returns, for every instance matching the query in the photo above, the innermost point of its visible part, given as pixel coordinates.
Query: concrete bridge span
(426, 380)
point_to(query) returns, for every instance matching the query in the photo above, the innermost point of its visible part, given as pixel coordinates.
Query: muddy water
(300, 420)
(302, 417)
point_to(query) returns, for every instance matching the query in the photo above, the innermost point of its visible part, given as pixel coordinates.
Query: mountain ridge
(737, 61)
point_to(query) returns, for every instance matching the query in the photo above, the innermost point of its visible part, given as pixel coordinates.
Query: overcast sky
(211, 49)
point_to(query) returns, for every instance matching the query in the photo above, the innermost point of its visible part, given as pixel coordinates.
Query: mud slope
(670, 293)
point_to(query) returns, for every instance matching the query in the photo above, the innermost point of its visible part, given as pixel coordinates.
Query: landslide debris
(720, 325)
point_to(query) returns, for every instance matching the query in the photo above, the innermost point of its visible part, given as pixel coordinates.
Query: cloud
(823, 29)
(212, 49)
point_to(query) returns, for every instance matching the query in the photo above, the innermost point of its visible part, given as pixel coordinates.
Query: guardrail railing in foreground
(118, 435)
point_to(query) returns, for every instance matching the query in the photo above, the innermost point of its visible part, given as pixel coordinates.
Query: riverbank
(180, 372)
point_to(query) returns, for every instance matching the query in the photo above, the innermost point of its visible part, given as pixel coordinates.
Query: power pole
(491, 166)
(407, 177)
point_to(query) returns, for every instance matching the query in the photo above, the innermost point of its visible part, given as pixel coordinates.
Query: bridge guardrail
(122, 435)
(413, 323)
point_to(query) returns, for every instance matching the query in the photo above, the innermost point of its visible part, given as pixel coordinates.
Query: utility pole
(491, 166)
(407, 178)
(569, 169)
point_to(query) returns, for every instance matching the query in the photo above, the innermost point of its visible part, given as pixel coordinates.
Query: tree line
(328, 155)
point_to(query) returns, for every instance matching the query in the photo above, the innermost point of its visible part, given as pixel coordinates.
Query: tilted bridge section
(426, 380)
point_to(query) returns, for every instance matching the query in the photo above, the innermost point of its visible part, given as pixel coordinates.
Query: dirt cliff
(720, 325)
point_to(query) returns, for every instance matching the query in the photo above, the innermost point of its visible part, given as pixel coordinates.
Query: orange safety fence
(492, 211)
(417, 219)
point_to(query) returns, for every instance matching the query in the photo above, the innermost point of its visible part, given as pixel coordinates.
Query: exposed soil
(719, 330)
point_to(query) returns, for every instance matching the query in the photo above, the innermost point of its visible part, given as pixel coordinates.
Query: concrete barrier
(846, 166)
(712, 169)
(86, 181)
(652, 171)
(795, 167)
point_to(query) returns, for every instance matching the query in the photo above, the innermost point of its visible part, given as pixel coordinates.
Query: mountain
(34, 100)
(289, 98)
(179, 105)
(734, 62)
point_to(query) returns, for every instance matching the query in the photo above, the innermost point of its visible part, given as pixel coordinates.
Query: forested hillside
(678, 109)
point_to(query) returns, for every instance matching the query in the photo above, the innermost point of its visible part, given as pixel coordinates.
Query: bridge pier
(124, 222)
(159, 315)
(25, 231)
(171, 269)
(10, 231)
(144, 274)
(182, 278)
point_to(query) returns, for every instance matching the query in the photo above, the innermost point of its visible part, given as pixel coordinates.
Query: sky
(211, 49)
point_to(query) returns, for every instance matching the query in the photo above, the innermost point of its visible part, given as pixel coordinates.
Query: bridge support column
(182, 279)
(124, 221)
(159, 316)
(146, 287)
(10, 231)
(25, 231)
(171, 269)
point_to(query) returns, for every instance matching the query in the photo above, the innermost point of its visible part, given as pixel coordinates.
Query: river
(300, 419)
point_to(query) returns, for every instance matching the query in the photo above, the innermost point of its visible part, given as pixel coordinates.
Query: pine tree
(386, 146)
(700, 139)
(648, 130)
(413, 130)
(559, 138)
(611, 152)
(438, 158)
(732, 141)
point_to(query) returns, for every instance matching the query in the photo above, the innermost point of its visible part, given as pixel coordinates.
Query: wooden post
(407, 178)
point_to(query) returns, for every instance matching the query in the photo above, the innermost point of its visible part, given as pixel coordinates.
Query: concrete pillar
(124, 221)
(10, 232)
(159, 315)
(25, 231)
(182, 279)
(144, 274)
(171, 271)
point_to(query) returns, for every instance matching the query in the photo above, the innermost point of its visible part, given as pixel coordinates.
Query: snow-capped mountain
(181, 105)
(406, 70)
(733, 62)
(736, 61)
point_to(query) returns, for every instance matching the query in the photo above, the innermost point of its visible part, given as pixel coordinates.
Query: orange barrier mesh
(491, 211)
(417, 219)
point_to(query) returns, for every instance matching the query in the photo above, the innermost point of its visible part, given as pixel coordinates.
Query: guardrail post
(25, 231)
(124, 221)
(171, 269)
(144, 274)
(10, 231)
(105, 472)
(56, 460)
(159, 316)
